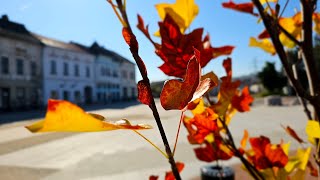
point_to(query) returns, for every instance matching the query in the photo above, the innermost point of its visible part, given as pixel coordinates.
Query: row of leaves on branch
(184, 55)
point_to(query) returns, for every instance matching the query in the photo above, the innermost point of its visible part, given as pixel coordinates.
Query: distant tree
(271, 79)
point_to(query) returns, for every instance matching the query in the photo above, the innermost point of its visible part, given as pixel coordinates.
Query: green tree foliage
(271, 79)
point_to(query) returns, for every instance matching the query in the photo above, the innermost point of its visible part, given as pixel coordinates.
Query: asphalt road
(123, 154)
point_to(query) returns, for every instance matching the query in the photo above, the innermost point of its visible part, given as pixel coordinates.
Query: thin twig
(152, 105)
(178, 132)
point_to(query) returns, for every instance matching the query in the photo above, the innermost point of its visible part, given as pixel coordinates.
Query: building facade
(68, 72)
(20, 67)
(34, 68)
(128, 84)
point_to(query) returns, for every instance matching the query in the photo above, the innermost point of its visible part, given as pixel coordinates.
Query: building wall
(107, 76)
(128, 81)
(20, 90)
(79, 88)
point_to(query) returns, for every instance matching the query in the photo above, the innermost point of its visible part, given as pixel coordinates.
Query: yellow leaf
(265, 44)
(303, 156)
(298, 161)
(292, 25)
(63, 116)
(316, 20)
(183, 12)
(313, 129)
(214, 78)
(200, 108)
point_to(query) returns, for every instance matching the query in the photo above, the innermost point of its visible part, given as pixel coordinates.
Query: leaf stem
(155, 146)
(177, 136)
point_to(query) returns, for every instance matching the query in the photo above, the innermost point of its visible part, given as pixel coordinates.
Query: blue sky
(86, 21)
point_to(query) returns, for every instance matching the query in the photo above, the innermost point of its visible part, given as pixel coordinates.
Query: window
(124, 74)
(87, 71)
(76, 70)
(115, 74)
(77, 96)
(102, 71)
(19, 66)
(65, 69)
(132, 75)
(4, 65)
(108, 72)
(33, 67)
(54, 95)
(53, 67)
(65, 95)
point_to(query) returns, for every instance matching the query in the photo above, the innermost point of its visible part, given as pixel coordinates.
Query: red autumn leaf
(267, 155)
(224, 50)
(242, 102)
(211, 152)
(293, 134)
(264, 34)
(242, 7)
(177, 94)
(176, 48)
(144, 95)
(170, 176)
(152, 177)
(200, 126)
(145, 30)
(228, 89)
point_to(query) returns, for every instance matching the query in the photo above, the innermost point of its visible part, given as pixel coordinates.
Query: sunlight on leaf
(316, 20)
(182, 11)
(313, 129)
(63, 116)
(144, 95)
(242, 102)
(265, 45)
(177, 94)
(294, 26)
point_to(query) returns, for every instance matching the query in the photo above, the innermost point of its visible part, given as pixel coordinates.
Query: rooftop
(58, 44)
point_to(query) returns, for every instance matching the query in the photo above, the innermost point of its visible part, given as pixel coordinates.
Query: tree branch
(153, 107)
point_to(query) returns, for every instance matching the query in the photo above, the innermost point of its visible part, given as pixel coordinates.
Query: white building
(128, 79)
(68, 72)
(20, 67)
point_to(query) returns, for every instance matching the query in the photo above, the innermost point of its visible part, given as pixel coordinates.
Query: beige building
(20, 67)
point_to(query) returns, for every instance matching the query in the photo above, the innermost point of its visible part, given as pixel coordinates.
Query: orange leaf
(292, 133)
(316, 20)
(244, 139)
(144, 95)
(63, 116)
(200, 126)
(170, 176)
(177, 94)
(242, 102)
(242, 7)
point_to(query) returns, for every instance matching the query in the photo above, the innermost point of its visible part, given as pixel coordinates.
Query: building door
(5, 98)
(88, 94)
